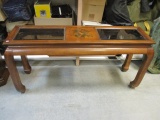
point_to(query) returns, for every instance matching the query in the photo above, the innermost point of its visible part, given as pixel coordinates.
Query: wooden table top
(77, 35)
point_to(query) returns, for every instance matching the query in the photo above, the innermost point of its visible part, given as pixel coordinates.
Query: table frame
(77, 49)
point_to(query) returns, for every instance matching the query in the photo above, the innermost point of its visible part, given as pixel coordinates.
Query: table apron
(75, 51)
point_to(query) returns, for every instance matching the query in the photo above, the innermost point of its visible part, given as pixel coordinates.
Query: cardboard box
(65, 17)
(93, 10)
(95, 2)
(52, 21)
(42, 8)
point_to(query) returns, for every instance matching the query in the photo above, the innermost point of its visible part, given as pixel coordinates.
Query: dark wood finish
(26, 66)
(127, 62)
(4, 74)
(79, 41)
(143, 68)
(14, 72)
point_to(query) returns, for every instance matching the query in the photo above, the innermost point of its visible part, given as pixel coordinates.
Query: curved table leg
(25, 63)
(13, 71)
(142, 70)
(127, 62)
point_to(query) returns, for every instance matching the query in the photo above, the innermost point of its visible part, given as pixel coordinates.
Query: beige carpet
(96, 90)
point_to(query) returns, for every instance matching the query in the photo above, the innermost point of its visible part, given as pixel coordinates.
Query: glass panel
(40, 34)
(119, 34)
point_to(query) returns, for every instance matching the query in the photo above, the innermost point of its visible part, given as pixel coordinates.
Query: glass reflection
(40, 34)
(119, 34)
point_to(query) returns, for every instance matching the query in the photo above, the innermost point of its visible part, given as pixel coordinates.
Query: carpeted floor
(95, 90)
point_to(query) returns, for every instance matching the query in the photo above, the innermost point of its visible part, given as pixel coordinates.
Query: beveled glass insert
(119, 34)
(40, 34)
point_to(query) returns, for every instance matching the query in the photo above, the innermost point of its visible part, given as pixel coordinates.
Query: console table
(77, 41)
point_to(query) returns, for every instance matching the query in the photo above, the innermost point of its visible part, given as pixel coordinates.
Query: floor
(95, 90)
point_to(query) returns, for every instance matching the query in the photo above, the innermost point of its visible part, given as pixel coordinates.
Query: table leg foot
(132, 85)
(21, 89)
(26, 66)
(13, 71)
(143, 68)
(124, 69)
(127, 62)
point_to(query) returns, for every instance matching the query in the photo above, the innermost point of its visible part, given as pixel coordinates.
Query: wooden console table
(77, 41)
